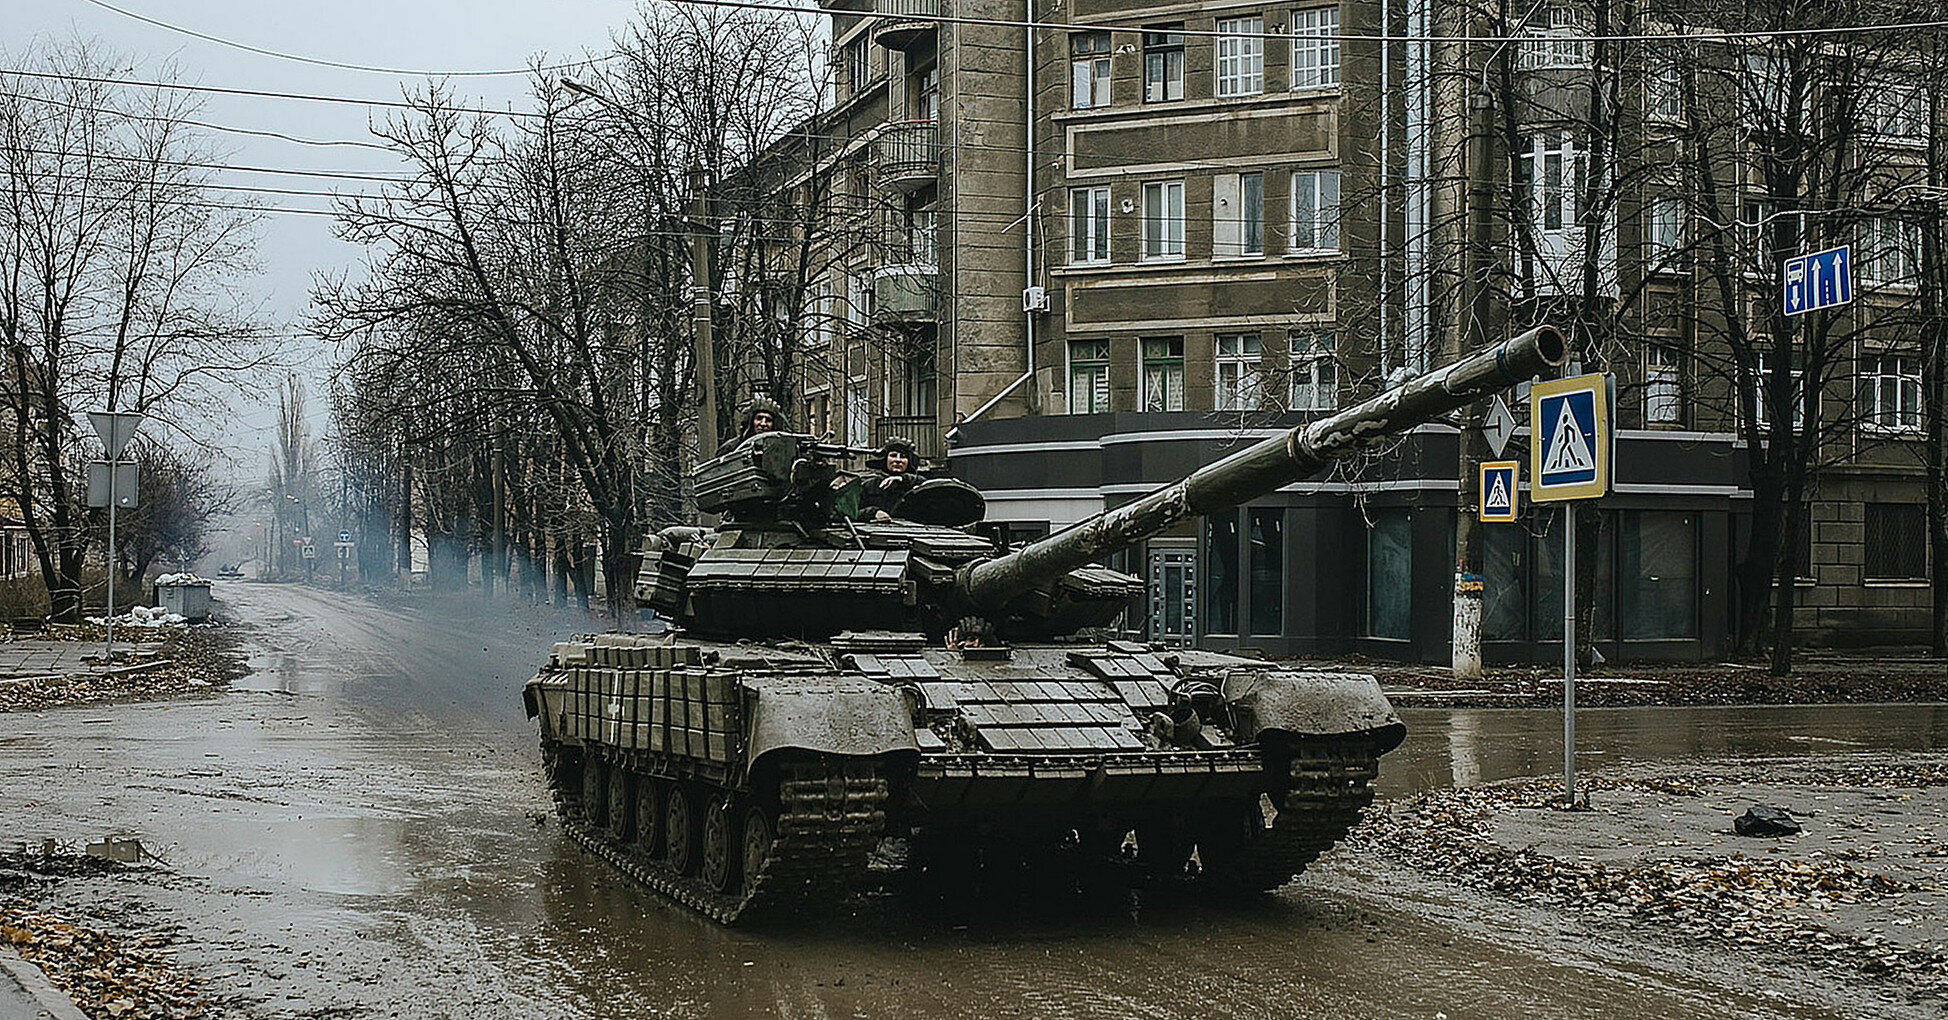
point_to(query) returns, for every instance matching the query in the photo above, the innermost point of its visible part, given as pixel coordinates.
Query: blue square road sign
(1824, 279)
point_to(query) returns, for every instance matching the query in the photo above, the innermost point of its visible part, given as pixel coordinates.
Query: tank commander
(762, 414)
(889, 476)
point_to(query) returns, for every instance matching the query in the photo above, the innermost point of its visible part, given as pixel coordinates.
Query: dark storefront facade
(1361, 560)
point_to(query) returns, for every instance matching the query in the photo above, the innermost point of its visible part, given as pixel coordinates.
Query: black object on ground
(1759, 820)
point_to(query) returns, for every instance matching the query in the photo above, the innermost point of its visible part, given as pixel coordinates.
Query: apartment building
(1125, 241)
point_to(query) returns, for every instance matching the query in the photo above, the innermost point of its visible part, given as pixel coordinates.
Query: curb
(47, 1000)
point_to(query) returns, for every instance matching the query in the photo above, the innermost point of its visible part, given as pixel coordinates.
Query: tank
(830, 683)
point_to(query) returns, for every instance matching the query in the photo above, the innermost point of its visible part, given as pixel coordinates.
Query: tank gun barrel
(1265, 466)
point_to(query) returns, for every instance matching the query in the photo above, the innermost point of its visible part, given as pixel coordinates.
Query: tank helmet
(903, 445)
(747, 415)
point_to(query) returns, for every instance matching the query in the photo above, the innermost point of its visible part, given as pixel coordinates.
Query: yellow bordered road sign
(1569, 453)
(1498, 492)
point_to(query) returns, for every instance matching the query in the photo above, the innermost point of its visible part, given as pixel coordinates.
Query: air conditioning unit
(1034, 299)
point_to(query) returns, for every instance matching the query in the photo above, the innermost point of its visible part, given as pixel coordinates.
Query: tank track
(1329, 788)
(830, 815)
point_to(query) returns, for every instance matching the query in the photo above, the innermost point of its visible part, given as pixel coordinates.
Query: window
(1657, 561)
(1163, 220)
(858, 414)
(1761, 377)
(1221, 573)
(1892, 250)
(1663, 387)
(1163, 373)
(1771, 84)
(1890, 393)
(1555, 40)
(1240, 56)
(921, 229)
(920, 376)
(1897, 542)
(1390, 575)
(1761, 226)
(1088, 226)
(859, 299)
(1089, 70)
(1315, 48)
(1897, 111)
(859, 63)
(1551, 162)
(1315, 371)
(1315, 212)
(1163, 64)
(1266, 561)
(1088, 376)
(926, 100)
(1663, 85)
(1238, 355)
(1238, 215)
(1663, 233)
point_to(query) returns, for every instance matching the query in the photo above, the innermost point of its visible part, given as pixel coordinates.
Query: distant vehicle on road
(230, 571)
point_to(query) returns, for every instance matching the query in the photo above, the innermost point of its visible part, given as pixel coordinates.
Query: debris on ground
(187, 661)
(1827, 678)
(1759, 820)
(1859, 893)
(144, 616)
(110, 974)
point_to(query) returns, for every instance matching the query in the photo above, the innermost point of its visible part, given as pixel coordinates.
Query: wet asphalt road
(360, 830)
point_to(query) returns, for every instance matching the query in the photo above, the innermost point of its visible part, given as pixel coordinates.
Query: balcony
(906, 294)
(903, 23)
(920, 429)
(908, 154)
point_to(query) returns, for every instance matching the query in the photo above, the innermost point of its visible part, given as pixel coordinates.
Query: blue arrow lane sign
(1824, 279)
(1571, 459)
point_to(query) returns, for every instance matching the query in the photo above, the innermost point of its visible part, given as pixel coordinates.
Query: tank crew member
(891, 475)
(762, 414)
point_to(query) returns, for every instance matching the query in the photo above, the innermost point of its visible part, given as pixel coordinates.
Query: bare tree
(117, 271)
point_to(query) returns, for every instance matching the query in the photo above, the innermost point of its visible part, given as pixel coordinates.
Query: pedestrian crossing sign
(1498, 493)
(1570, 455)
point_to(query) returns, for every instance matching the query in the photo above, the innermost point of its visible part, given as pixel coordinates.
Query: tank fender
(850, 717)
(1311, 704)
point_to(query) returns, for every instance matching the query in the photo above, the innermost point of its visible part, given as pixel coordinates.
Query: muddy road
(359, 830)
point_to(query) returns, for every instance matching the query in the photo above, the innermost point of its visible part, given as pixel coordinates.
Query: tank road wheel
(680, 835)
(758, 834)
(622, 820)
(720, 848)
(649, 815)
(595, 789)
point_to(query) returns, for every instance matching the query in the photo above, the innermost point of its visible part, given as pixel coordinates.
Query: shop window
(1658, 568)
(1897, 542)
(1267, 562)
(1221, 574)
(1390, 575)
(1505, 589)
(1546, 555)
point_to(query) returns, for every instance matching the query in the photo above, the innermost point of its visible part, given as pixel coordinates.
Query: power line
(397, 104)
(246, 47)
(1709, 35)
(227, 129)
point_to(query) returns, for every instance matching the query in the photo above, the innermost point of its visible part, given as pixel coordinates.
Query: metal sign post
(1569, 460)
(115, 428)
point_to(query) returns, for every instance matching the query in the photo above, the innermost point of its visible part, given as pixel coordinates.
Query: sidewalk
(26, 995)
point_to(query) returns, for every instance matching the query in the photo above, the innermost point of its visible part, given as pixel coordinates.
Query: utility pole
(1476, 334)
(703, 270)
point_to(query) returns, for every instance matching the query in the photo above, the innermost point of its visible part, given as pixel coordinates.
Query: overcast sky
(425, 35)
